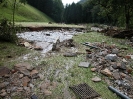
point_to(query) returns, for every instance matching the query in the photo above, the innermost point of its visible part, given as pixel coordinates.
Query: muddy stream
(45, 39)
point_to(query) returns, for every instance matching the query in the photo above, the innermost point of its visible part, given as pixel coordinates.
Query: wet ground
(46, 38)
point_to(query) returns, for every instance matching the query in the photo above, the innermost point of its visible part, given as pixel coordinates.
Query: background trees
(53, 8)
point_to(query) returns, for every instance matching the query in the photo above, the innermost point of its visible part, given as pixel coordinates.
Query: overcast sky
(69, 1)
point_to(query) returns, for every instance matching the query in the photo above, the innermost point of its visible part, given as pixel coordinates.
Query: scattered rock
(84, 64)
(27, 44)
(25, 81)
(31, 86)
(93, 69)
(115, 51)
(4, 84)
(4, 71)
(33, 72)
(19, 89)
(41, 76)
(121, 65)
(23, 66)
(69, 54)
(34, 96)
(96, 79)
(38, 48)
(21, 75)
(123, 75)
(111, 57)
(128, 57)
(25, 72)
(129, 70)
(44, 86)
(3, 94)
(116, 75)
(47, 92)
(106, 72)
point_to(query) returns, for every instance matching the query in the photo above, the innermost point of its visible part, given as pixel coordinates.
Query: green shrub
(7, 31)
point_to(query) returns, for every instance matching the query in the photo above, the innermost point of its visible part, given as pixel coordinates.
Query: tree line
(112, 12)
(53, 8)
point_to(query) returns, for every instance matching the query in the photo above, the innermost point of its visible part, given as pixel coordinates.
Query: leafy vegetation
(8, 32)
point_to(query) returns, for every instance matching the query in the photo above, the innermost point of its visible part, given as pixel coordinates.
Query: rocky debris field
(21, 81)
(108, 60)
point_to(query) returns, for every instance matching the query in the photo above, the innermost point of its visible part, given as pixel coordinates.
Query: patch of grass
(10, 51)
(24, 13)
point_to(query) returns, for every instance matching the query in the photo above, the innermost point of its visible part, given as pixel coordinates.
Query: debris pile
(118, 33)
(21, 81)
(109, 61)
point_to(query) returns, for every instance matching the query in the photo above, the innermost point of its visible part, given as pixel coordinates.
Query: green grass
(10, 50)
(24, 13)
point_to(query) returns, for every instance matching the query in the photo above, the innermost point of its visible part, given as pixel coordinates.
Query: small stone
(123, 66)
(124, 60)
(93, 69)
(33, 72)
(123, 75)
(38, 48)
(19, 89)
(84, 64)
(21, 75)
(3, 85)
(41, 76)
(31, 85)
(45, 85)
(114, 66)
(4, 71)
(25, 72)
(96, 79)
(25, 81)
(111, 57)
(23, 66)
(27, 89)
(3, 94)
(129, 70)
(116, 75)
(106, 72)
(47, 92)
(115, 51)
(34, 97)
(27, 44)
(128, 57)
(3, 90)
(69, 54)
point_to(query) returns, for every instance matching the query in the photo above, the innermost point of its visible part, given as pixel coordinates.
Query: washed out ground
(63, 71)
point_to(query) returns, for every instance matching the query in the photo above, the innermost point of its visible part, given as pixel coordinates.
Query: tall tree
(120, 10)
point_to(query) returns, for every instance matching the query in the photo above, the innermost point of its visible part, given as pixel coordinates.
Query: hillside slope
(24, 13)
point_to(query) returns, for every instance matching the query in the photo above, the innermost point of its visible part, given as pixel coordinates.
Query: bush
(7, 31)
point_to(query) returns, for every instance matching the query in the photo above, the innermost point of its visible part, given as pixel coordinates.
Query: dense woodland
(111, 12)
